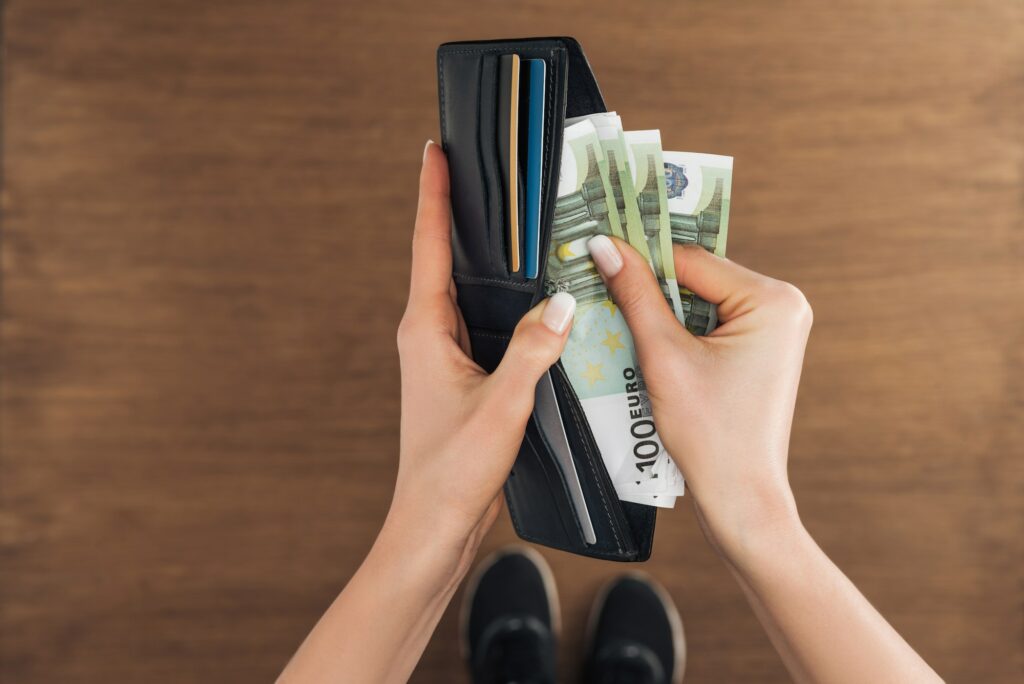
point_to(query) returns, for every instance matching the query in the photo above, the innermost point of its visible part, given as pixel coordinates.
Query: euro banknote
(698, 194)
(621, 183)
(620, 176)
(649, 179)
(599, 356)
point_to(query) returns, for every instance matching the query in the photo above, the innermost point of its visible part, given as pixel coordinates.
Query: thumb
(636, 292)
(535, 346)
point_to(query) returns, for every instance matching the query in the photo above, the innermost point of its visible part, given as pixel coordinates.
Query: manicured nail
(558, 313)
(605, 254)
(426, 148)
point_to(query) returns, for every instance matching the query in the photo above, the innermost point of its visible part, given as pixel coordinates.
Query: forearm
(823, 627)
(377, 628)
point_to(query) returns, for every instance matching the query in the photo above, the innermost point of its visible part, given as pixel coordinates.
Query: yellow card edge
(513, 170)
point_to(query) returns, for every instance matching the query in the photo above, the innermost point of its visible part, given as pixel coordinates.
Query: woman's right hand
(723, 404)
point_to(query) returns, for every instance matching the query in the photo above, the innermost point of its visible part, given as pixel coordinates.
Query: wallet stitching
(507, 49)
(525, 286)
(444, 102)
(505, 337)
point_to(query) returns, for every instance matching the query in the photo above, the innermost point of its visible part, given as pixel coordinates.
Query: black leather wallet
(559, 493)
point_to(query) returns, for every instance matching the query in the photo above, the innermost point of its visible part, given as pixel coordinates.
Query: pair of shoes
(510, 626)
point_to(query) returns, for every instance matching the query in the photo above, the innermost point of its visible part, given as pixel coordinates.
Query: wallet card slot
(507, 130)
(547, 416)
(554, 121)
(607, 512)
(490, 162)
(538, 468)
(634, 521)
(468, 86)
(561, 499)
(512, 135)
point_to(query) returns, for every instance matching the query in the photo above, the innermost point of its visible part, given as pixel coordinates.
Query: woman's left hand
(461, 427)
(461, 430)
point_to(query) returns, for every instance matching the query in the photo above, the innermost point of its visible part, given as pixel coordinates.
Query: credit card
(534, 165)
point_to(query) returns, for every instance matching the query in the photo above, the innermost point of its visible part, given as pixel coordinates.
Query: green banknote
(585, 209)
(599, 356)
(649, 180)
(699, 189)
(620, 175)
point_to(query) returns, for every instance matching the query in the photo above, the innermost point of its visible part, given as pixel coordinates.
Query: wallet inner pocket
(613, 530)
(568, 484)
(484, 156)
(604, 512)
(490, 159)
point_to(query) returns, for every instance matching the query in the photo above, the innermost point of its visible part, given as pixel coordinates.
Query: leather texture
(493, 299)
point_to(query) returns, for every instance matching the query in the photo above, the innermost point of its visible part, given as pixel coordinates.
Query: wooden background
(207, 212)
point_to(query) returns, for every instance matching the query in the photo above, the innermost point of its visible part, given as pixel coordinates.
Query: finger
(636, 292)
(717, 280)
(432, 241)
(535, 346)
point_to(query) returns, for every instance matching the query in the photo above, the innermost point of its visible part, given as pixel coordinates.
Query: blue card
(534, 166)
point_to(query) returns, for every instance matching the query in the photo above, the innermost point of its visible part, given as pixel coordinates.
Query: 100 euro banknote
(599, 356)
(699, 190)
(620, 176)
(649, 180)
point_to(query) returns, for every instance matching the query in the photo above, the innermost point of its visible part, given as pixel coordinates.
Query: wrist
(749, 521)
(442, 548)
(749, 548)
(780, 553)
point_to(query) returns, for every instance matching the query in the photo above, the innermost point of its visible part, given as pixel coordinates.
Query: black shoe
(510, 619)
(635, 635)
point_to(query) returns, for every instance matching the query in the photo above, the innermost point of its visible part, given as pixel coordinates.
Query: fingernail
(605, 254)
(426, 148)
(558, 313)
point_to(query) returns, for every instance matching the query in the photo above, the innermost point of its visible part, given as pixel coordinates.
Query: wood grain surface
(207, 210)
